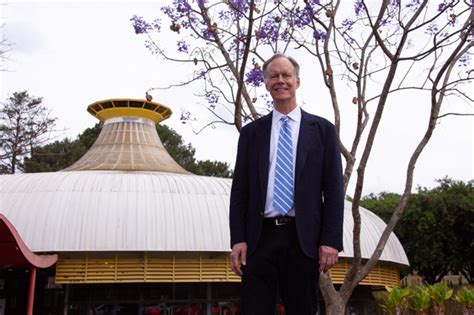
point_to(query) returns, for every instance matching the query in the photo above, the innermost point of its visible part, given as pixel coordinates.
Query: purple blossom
(346, 28)
(212, 98)
(140, 25)
(358, 7)
(200, 74)
(207, 34)
(320, 35)
(385, 21)
(269, 31)
(185, 116)
(254, 77)
(413, 4)
(152, 47)
(157, 25)
(241, 6)
(304, 17)
(432, 29)
(237, 43)
(442, 6)
(179, 9)
(444, 34)
(170, 12)
(347, 25)
(183, 46)
(464, 61)
(224, 16)
(182, 6)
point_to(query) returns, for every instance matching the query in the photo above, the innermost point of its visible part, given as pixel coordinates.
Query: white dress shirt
(294, 121)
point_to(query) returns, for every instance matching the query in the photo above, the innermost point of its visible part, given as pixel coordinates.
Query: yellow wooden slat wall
(176, 269)
(121, 270)
(380, 275)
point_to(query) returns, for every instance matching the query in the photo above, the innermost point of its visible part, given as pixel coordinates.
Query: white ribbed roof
(371, 229)
(140, 211)
(117, 211)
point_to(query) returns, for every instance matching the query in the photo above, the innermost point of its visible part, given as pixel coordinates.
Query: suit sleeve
(239, 193)
(333, 192)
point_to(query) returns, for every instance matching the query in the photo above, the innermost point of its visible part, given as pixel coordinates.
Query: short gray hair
(280, 55)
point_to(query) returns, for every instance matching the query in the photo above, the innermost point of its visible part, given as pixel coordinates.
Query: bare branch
(454, 114)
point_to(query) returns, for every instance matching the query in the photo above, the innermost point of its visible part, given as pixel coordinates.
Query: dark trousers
(279, 265)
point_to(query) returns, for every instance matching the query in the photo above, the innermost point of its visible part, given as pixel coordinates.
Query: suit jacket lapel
(263, 150)
(305, 142)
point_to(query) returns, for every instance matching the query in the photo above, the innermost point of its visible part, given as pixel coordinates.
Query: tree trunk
(334, 302)
(337, 307)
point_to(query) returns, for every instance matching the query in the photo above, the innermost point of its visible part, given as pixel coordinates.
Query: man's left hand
(327, 257)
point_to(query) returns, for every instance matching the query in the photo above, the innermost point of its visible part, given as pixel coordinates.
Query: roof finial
(148, 96)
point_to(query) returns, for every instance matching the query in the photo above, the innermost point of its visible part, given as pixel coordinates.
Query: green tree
(24, 125)
(88, 136)
(54, 156)
(443, 219)
(382, 204)
(184, 154)
(58, 155)
(181, 152)
(437, 228)
(214, 168)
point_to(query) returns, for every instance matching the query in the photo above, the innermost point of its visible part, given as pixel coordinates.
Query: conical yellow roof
(128, 140)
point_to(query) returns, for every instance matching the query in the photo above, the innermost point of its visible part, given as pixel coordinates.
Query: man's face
(281, 81)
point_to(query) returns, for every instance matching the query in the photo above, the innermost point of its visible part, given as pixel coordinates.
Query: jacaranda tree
(374, 51)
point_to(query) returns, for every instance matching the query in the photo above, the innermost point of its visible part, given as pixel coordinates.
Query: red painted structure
(16, 255)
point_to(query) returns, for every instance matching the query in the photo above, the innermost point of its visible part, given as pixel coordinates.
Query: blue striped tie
(283, 186)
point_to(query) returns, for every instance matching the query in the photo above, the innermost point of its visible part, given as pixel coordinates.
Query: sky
(74, 53)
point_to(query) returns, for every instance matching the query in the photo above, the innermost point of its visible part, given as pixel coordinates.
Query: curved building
(137, 234)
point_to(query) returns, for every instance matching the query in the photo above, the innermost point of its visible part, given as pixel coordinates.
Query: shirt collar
(294, 115)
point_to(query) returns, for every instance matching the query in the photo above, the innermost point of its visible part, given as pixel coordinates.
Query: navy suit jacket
(318, 195)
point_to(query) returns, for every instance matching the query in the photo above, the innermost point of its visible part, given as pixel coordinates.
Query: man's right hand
(238, 257)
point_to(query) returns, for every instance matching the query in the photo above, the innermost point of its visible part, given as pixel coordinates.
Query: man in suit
(287, 200)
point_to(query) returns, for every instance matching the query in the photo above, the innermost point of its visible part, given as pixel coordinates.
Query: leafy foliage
(213, 168)
(424, 300)
(439, 293)
(465, 297)
(174, 144)
(58, 155)
(420, 300)
(437, 228)
(24, 125)
(396, 301)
